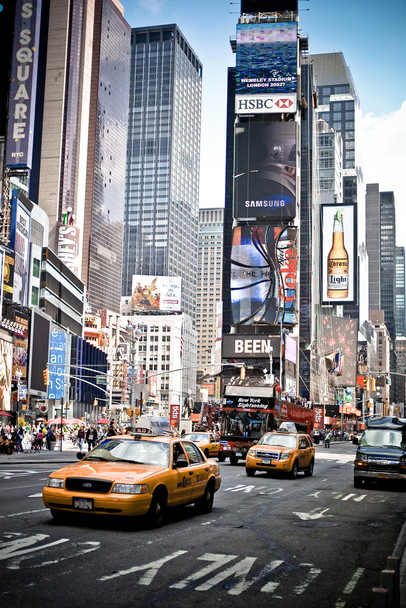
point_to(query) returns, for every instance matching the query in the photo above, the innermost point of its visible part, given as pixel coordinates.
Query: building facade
(209, 283)
(162, 181)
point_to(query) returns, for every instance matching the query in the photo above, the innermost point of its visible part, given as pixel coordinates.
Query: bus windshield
(246, 424)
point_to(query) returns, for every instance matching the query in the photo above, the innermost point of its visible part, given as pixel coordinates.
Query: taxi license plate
(84, 504)
(238, 453)
(383, 476)
(266, 461)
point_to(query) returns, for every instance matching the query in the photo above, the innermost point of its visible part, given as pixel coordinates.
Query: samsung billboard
(23, 82)
(151, 293)
(266, 68)
(263, 275)
(265, 170)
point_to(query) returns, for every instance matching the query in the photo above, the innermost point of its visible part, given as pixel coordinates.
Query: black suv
(381, 452)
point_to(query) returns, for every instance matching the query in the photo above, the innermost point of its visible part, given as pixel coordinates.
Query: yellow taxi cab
(208, 442)
(134, 475)
(281, 453)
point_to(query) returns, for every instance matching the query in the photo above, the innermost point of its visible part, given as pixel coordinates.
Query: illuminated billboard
(20, 241)
(339, 254)
(338, 346)
(268, 6)
(263, 275)
(23, 83)
(151, 293)
(265, 170)
(266, 68)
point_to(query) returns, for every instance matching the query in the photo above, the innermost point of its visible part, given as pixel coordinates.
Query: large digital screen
(265, 170)
(19, 241)
(268, 6)
(338, 346)
(156, 293)
(266, 68)
(263, 275)
(339, 254)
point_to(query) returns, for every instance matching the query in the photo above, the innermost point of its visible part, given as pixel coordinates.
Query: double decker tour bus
(249, 412)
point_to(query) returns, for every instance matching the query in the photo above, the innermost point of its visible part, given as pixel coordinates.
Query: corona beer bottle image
(337, 262)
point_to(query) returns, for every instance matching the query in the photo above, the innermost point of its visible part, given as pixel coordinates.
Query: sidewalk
(56, 456)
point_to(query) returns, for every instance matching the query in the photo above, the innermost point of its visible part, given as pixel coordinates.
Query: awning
(5, 414)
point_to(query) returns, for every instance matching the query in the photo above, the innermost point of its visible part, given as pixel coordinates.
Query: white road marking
(152, 568)
(343, 496)
(217, 558)
(39, 495)
(22, 513)
(20, 546)
(240, 488)
(314, 514)
(9, 474)
(349, 588)
(88, 547)
(314, 573)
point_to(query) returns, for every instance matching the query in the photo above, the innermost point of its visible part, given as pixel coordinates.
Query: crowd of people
(40, 436)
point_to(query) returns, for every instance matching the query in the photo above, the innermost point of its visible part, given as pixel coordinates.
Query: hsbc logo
(265, 104)
(284, 104)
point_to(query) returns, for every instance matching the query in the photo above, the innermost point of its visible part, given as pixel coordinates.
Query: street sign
(101, 379)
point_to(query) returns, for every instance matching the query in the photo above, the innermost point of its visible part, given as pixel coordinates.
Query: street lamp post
(135, 332)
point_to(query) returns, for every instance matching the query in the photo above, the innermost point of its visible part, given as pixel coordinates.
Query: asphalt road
(313, 541)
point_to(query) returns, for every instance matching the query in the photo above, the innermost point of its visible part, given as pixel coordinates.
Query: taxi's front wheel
(157, 509)
(205, 503)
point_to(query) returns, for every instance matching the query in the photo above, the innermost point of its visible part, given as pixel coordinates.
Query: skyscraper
(339, 107)
(400, 292)
(209, 285)
(162, 182)
(81, 129)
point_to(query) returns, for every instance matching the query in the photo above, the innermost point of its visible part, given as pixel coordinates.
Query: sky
(369, 33)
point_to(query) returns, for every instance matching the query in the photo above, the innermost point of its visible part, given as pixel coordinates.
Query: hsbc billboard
(265, 104)
(266, 68)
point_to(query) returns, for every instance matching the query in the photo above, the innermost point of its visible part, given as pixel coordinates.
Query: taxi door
(200, 468)
(214, 446)
(180, 489)
(304, 452)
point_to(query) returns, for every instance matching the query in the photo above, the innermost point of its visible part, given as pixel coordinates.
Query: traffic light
(129, 412)
(373, 384)
(366, 384)
(242, 372)
(45, 374)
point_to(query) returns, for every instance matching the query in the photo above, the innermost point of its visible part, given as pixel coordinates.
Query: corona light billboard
(265, 170)
(263, 275)
(339, 254)
(266, 68)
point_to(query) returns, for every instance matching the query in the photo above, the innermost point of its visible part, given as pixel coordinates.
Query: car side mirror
(181, 463)
(80, 455)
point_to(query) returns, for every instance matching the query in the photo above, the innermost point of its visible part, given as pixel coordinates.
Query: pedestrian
(111, 430)
(327, 440)
(81, 437)
(49, 437)
(91, 437)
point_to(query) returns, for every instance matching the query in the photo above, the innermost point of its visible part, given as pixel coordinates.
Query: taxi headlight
(285, 456)
(251, 452)
(130, 488)
(55, 482)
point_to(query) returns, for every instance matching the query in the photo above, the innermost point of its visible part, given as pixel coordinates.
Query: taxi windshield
(202, 437)
(136, 452)
(284, 441)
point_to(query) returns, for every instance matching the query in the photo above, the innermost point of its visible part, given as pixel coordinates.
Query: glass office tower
(162, 181)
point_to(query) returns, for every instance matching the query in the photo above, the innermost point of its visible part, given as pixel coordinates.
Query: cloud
(152, 6)
(383, 158)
